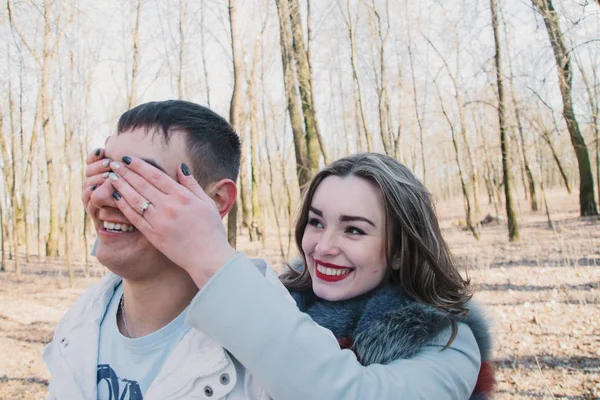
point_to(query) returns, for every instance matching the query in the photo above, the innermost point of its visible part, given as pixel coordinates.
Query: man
(126, 337)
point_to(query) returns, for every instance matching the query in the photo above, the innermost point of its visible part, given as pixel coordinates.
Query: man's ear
(224, 193)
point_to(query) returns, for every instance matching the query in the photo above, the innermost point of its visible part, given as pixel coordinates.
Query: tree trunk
(314, 141)
(300, 144)
(234, 108)
(203, 43)
(256, 225)
(587, 201)
(49, 146)
(356, 76)
(594, 110)
(135, 60)
(474, 228)
(9, 188)
(180, 84)
(528, 174)
(416, 103)
(511, 217)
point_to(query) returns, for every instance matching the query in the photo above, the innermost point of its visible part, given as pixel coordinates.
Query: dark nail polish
(94, 187)
(97, 152)
(185, 169)
(127, 160)
(117, 195)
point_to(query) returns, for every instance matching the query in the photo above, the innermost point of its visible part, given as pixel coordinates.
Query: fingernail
(94, 187)
(185, 169)
(113, 177)
(127, 160)
(105, 175)
(105, 162)
(97, 152)
(115, 165)
(117, 195)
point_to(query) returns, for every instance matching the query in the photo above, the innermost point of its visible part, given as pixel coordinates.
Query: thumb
(185, 177)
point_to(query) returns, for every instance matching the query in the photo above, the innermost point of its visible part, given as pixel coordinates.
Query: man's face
(123, 249)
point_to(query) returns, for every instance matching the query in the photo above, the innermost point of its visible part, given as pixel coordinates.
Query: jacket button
(208, 391)
(224, 379)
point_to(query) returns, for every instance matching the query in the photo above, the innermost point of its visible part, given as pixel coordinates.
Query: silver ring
(144, 207)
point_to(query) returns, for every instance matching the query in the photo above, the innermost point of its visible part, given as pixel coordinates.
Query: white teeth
(115, 226)
(332, 271)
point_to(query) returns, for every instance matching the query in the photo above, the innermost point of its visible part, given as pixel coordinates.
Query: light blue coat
(295, 359)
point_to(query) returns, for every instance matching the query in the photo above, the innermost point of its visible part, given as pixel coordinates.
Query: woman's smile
(331, 272)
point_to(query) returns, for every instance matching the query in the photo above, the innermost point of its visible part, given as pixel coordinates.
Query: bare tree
(587, 202)
(132, 98)
(511, 217)
(350, 25)
(49, 52)
(314, 141)
(474, 228)
(235, 107)
(182, 15)
(594, 105)
(528, 174)
(303, 166)
(203, 54)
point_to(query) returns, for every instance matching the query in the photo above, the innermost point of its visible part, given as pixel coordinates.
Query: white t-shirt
(127, 367)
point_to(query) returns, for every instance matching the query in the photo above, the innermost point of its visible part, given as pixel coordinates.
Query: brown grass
(543, 295)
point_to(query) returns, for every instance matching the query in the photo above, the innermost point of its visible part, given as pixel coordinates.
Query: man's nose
(328, 243)
(103, 195)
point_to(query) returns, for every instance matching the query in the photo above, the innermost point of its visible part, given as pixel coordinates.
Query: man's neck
(152, 303)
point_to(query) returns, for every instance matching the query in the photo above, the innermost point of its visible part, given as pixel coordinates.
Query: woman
(375, 271)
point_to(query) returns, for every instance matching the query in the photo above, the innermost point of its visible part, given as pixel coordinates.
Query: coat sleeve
(295, 359)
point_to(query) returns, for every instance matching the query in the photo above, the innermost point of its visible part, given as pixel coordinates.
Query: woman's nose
(327, 244)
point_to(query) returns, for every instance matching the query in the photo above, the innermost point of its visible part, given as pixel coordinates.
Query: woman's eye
(354, 231)
(315, 222)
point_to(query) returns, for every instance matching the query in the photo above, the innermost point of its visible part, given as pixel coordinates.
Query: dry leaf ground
(542, 295)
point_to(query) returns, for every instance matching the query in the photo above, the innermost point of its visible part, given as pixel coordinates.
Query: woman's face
(344, 239)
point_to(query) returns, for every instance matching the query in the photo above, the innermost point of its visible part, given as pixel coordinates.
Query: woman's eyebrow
(350, 218)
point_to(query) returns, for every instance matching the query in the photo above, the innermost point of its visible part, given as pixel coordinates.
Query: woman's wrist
(203, 270)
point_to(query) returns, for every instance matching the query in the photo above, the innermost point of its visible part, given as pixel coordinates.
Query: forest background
(494, 104)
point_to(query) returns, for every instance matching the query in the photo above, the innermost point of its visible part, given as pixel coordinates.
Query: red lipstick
(331, 278)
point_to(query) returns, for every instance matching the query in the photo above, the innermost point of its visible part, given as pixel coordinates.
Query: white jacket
(198, 367)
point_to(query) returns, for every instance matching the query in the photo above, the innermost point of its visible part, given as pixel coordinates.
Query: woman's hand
(95, 174)
(179, 219)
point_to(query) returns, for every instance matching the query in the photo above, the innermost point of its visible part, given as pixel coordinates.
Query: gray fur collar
(385, 325)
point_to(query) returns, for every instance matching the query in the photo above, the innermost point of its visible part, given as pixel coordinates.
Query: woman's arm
(294, 359)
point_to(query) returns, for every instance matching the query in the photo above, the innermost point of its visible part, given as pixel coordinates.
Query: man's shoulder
(97, 295)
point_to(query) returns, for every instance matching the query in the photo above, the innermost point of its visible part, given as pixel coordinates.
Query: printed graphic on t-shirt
(118, 388)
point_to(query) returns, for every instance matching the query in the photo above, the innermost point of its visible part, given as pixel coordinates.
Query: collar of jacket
(384, 324)
(72, 356)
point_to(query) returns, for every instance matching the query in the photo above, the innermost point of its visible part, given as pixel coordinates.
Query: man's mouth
(117, 227)
(331, 272)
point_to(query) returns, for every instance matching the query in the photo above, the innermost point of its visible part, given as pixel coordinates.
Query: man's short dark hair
(212, 144)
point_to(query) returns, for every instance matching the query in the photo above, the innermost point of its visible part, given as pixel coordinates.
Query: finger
(89, 185)
(156, 177)
(139, 184)
(140, 223)
(98, 167)
(95, 155)
(185, 177)
(95, 180)
(129, 194)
